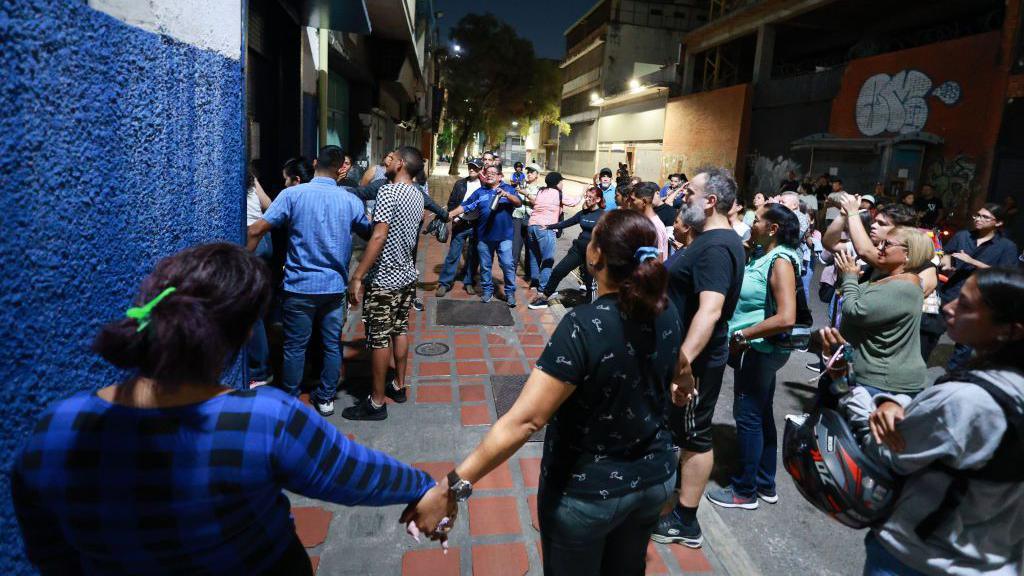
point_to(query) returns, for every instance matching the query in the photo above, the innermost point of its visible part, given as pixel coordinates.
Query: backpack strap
(1003, 466)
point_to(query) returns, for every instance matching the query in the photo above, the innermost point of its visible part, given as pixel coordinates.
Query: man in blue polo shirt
(320, 218)
(493, 202)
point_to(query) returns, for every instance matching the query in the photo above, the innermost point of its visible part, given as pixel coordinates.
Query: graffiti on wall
(898, 103)
(766, 173)
(952, 178)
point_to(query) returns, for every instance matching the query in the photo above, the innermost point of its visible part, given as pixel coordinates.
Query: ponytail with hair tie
(645, 253)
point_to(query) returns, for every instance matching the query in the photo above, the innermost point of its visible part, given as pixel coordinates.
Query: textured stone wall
(118, 146)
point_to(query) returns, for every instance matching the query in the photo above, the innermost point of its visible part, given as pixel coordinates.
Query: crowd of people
(169, 471)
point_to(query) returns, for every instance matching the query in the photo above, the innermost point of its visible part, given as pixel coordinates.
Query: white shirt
(833, 212)
(742, 229)
(471, 186)
(809, 200)
(252, 207)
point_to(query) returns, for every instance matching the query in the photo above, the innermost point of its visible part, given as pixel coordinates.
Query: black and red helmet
(829, 469)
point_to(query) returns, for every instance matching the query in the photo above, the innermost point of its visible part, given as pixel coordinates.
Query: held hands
(845, 263)
(883, 423)
(684, 387)
(355, 287)
(434, 515)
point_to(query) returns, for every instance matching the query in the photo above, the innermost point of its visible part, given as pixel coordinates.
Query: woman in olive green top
(882, 317)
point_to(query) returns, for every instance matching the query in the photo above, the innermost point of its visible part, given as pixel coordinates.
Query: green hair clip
(141, 313)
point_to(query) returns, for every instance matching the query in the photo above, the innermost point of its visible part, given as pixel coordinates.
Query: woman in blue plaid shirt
(169, 472)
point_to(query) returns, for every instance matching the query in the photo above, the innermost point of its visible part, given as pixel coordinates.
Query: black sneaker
(397, 394)
(538, 303)
(672, 530)
(417, 304)
(364, 410)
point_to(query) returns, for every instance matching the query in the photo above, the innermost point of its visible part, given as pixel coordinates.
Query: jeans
(932, 328)
(590, 537)
(451, 261)
(301, 311)
(807, 276)
(959, 358)
(573, 259)
(754, 390)
(508, 267)
(541, 251)
(258, 351)
(881, 562)
(520, 232)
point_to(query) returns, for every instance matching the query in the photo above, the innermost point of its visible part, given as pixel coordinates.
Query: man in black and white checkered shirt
(389, 266)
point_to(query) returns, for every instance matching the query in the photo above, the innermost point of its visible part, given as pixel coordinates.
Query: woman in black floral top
(603, 383)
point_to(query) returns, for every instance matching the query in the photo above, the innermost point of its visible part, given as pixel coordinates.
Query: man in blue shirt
(320, 218)
(984, 246)
(604, 182)
(494, 203)
(675, 182)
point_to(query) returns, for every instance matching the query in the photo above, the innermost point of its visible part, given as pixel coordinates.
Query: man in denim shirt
(494, 202)
(320, 218)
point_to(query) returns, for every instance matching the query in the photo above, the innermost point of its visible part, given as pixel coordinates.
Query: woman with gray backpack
(950, 459)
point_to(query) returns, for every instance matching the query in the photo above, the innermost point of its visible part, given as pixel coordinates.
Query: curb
(725, 548)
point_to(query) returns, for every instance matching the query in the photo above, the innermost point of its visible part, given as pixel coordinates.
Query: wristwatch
(460, 489)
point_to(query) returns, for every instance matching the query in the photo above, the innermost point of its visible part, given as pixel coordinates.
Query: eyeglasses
(983, 217)
(887, 244)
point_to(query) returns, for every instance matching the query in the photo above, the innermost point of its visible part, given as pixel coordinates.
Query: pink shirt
(545, 207)
(659, 227)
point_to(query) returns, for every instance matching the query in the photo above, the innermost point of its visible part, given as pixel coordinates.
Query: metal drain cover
(431, 349)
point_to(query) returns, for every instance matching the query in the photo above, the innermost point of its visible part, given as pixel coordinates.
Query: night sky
(542, 21)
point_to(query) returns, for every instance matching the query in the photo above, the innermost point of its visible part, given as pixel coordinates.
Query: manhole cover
(431, 349)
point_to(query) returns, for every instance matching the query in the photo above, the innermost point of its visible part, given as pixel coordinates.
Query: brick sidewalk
(450, 409)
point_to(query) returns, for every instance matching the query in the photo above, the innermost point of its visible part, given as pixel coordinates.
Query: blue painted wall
(117, 147)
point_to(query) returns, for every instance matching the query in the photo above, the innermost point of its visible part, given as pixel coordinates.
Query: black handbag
(799, 337)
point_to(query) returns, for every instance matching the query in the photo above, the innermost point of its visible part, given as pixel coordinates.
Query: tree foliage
(493, 80)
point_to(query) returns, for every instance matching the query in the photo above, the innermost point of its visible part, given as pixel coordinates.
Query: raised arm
(575, 220)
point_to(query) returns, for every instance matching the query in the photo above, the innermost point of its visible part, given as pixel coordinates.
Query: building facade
(614, 54)
(897, 94)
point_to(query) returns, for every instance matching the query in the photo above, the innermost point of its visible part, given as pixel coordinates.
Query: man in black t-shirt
(929, 207)
(704, 285)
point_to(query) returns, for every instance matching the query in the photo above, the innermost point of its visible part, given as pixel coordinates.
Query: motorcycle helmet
(829, 469)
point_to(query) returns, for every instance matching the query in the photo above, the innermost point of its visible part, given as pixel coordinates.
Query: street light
(457, 48)
(515, 123)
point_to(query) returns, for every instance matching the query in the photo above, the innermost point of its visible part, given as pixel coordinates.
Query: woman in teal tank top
(775, 237)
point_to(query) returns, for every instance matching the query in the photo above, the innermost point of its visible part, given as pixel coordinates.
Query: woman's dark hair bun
(642, 285)
(220, 291)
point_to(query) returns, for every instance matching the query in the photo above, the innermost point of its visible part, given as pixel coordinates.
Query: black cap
(517, 165)
(474, 163)
(552, 179)
(605, 172)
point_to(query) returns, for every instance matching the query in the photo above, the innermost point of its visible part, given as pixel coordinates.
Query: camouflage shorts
(386, 314)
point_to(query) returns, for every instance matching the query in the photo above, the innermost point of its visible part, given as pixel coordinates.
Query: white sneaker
(325, 409)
